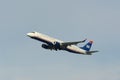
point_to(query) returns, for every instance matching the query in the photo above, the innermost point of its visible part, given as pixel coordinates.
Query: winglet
(84, 40)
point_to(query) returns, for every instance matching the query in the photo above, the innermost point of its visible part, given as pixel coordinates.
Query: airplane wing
(72, 43)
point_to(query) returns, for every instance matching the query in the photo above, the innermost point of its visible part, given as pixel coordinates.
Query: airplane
(55, 44)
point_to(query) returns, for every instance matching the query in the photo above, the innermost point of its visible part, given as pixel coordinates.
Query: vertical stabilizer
(87, 47)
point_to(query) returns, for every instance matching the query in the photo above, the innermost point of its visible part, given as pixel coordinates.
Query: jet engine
(45, 46)
(57, 45)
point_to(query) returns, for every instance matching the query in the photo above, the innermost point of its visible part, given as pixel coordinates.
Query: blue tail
(87, 47)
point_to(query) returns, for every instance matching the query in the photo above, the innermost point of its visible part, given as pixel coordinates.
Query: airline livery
(55, 44)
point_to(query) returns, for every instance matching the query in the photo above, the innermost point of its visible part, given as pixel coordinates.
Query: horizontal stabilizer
(90, 52)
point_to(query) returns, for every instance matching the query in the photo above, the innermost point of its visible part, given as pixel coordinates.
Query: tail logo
(88, 46)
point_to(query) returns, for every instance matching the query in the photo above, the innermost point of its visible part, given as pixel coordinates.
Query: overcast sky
(22, 58)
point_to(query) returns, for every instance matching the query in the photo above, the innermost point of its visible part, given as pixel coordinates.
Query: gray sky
(22, 58)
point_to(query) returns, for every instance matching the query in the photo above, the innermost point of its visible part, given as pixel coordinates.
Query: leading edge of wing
(72, 43)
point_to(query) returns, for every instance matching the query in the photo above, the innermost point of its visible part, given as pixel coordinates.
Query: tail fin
(87, 47)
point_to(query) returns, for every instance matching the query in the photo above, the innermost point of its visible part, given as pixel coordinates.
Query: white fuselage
(45, 38)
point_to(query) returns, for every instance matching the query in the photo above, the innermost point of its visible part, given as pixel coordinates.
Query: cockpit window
(33, 32)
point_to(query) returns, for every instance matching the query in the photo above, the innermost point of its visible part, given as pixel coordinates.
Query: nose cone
(29, 34)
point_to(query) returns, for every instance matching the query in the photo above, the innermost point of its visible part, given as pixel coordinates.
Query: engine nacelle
(45, 46)
(57, 45)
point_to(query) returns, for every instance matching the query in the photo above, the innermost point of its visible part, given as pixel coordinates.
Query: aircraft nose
(28, 34)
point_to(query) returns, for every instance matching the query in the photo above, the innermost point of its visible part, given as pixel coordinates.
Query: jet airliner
(55, 44)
